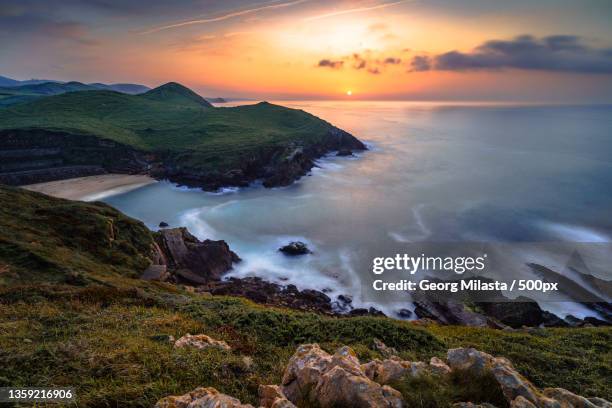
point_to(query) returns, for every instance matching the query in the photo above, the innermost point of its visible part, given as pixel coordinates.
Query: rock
(512, 383)
(568, 399)
(163, 224)
(156, 273)
(468, 359)
(192, 260)
(520, 312)
(344, 152)
(341, 388)
(295, 248)
(366, 312)
(201, 398)
(271, 396)
(303, 371)
(384, 349)
(201, 341)
(261, 291)
(438, 367)
(521, 402)
(600, 402)
(471, 405)
(450, 312)
(386, 371)
(314, 377)
(404, 313)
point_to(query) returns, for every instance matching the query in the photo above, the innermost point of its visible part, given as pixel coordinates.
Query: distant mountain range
(6, 82)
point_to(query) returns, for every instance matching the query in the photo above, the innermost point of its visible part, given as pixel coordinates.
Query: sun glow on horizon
(349, 93)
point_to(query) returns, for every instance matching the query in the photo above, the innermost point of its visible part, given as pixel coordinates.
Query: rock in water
(163, 224)
(192, 260)
(344, 152)
(295, 248)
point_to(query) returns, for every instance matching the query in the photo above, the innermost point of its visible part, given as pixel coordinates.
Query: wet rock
(404, 313)
(195, 261)
(201, 398)
(261, 291)
(163, 224)
(520, 312)
(366, 312)
(450, 312)
(344, 153)
(295, 248)
(201, 341)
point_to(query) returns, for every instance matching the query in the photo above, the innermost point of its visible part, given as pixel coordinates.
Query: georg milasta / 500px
(305, 203)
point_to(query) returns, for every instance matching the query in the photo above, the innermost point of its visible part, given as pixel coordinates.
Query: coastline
(91, 188)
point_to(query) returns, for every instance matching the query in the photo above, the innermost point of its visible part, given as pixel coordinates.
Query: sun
(349, 93)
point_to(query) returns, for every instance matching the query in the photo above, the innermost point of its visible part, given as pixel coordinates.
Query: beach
(92, 188)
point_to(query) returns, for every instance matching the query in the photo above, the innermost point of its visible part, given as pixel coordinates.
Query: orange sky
(275, 49)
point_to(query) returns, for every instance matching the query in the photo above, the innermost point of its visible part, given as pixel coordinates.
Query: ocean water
(435, 172)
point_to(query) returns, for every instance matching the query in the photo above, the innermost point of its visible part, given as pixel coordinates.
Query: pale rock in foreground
(271, 396)
(201, 341)
(314, 376)
(201, 398)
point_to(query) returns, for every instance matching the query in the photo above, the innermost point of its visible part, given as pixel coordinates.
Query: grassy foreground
(72, 313)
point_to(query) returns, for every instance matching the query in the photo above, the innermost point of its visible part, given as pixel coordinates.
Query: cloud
(358, 62)
(420, 63)
(330, 64)
(354, 10)
(226, 16)
(15, 25)
(565, 53)
(392, 61)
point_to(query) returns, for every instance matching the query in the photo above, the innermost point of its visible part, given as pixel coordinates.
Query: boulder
(472, 405)
(201, 341)
(569, 399)
(163, 224)
(314, 377)
(271, 396)
(201, 398)
(295, 248)
(383, 349)
(199, 261)
(521, 402)
(156, 273)
(386, 371)
(438, 367)
(344, 152)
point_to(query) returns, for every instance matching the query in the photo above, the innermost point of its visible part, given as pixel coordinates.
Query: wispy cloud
(227, 16)
(354, 10)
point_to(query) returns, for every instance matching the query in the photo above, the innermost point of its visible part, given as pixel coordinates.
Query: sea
(434, 172)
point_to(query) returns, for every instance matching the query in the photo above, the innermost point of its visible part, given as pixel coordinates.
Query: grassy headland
(74, 313)
(183, 132)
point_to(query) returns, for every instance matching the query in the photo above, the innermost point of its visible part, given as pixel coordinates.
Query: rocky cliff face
(31, 156)
(275, 166)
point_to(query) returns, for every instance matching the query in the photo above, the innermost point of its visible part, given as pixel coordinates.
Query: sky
(474, 50)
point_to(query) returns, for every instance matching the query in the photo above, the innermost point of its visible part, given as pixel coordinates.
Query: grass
(170, 119)
(72, 313)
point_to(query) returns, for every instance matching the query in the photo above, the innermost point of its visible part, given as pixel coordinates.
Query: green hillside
(74, 314)
(169, 118)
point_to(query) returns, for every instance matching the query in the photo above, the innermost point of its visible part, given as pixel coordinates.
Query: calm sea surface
(435, 172)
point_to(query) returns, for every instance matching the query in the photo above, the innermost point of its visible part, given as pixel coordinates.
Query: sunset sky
(532, 50)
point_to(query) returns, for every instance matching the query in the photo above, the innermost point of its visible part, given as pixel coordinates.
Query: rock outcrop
(315, 378)
(201, 398)
(295, 248)
(189, 259)
(200, 341)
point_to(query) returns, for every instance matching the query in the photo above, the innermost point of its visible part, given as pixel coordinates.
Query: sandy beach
(93, 187)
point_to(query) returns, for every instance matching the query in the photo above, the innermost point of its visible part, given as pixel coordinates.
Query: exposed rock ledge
(315, 378)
